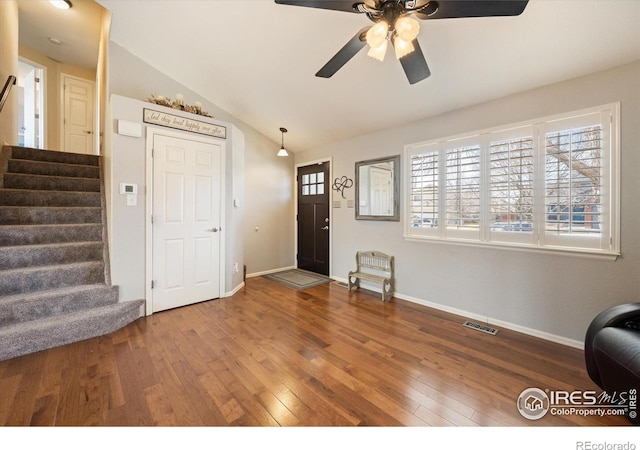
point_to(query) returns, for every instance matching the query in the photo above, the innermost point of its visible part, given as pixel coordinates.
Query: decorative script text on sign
(182, 123)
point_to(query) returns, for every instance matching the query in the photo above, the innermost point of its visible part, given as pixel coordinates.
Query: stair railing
(11, 81)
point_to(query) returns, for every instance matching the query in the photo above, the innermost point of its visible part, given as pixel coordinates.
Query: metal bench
(375, 267)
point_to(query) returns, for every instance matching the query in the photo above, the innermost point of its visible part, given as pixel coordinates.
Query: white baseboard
(238, 287)
(267, 272)
(489, 320)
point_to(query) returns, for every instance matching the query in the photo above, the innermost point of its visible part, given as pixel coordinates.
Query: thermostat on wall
(128, 188)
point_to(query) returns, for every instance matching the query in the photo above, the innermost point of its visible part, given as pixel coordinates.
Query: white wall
(268, 182)
(9, 66)
(128, 159)
(552, 296)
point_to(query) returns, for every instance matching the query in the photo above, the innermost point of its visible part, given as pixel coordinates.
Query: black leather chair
(612, 349)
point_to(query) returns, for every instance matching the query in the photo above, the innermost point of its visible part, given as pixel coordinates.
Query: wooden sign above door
(182, 123)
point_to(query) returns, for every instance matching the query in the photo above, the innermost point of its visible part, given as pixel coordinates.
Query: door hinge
(153, 284)
(153, 219)
(37, 80)
(153, 152)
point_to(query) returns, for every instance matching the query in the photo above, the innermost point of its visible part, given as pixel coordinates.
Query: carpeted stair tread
(50, 182)
(42, 215)
(36, 335)
(12, 235)
(20, 256)
(52, 168)
(24, 197)
(25, 307)
(31, 279)
(34, 154)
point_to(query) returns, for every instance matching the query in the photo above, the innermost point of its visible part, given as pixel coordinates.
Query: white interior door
(31, 105)
(30, 108)
(78, 115)
(186, 221)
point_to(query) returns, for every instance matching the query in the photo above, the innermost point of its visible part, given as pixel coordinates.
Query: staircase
(55, 287)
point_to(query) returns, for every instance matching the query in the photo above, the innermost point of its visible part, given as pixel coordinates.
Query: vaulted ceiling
(257, 59)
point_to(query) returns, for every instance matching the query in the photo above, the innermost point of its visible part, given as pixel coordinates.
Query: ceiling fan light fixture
(61, 4)
(402, 47)
(378, 52)
(407, 28)
(377, 34)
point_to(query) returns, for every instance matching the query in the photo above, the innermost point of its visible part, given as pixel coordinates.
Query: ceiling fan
(395, 21)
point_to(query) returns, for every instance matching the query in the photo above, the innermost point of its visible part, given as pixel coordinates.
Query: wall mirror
(378, 189)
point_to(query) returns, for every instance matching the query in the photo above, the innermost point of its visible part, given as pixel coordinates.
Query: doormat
(298, 279)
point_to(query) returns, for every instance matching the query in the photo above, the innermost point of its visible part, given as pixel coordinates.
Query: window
(462, 194)
(424, 192)
(548, 185)
(313, 184)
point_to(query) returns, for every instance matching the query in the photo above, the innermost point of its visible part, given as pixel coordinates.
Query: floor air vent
(479, 327)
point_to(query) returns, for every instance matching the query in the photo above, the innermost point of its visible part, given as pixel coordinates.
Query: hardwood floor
(273, 356)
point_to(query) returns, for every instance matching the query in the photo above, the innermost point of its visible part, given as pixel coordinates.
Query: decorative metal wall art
(340, 184)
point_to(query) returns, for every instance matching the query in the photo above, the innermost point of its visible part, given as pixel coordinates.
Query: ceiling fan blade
(336, 5)
(343, 56)
(415, 65)
(450, 9)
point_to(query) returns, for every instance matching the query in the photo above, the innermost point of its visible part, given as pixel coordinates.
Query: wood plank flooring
(274, 356)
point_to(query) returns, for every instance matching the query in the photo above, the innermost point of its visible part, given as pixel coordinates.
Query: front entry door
(186, 221)
(313, 218)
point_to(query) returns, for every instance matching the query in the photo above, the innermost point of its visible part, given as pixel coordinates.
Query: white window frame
(605, 245)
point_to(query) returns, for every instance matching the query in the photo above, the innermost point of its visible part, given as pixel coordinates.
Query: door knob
(214, 230)
(325, 228)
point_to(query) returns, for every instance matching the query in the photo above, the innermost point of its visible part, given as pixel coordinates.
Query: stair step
(52, 168)
(21, 256)
(21, 197)
(40, 215)
(35, 154)
(37, 305)
(12, 235)
(32, 279)
(50, 182)
(36, 335)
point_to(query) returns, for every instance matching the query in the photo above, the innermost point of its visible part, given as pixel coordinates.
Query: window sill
(558, 251)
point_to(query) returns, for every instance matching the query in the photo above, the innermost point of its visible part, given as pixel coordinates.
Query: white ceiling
(78, 30)
(256, 59)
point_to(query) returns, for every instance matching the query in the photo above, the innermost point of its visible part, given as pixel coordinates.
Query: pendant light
(61, 4)
(282, 151)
